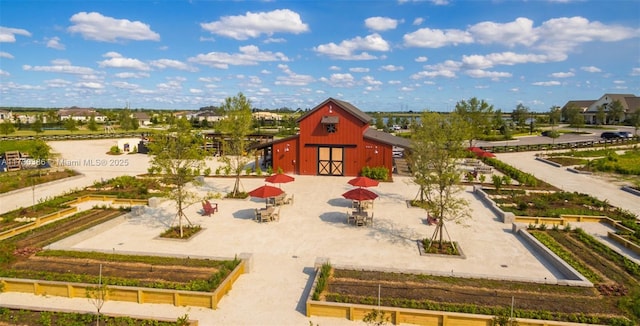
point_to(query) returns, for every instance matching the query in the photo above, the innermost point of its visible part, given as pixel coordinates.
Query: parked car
(625, 134)
(611, 135)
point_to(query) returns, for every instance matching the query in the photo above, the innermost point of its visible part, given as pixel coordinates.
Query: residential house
(589, 108)
(81, 114)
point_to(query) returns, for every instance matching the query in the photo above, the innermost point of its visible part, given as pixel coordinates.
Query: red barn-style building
(334, 139)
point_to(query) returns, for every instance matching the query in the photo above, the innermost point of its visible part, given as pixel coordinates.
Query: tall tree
(519, 115)
(616, 111)
(177, 156)
(236, 125)
(437, 143)
(478, 115)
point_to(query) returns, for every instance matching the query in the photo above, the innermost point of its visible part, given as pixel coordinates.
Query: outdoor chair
(369, 219)
(208, 208)
(265, 217)
(351, 218)
(258, 215)
(276, 216)
(289, 200)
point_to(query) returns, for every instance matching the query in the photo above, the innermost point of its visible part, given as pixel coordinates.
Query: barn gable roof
(350, 108)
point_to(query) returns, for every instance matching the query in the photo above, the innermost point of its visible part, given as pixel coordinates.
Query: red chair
(208, 208)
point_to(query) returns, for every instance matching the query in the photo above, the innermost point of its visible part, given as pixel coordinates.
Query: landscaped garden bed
(39, 318)
(10, 181)
(612, 301)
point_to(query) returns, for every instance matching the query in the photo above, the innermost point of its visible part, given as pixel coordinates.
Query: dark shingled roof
(386, 138)
(345, 106)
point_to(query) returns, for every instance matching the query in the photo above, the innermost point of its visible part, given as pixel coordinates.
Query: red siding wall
(357, 152)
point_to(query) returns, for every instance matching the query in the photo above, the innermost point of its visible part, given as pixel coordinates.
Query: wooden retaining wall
(624, 242)
(65, 212)
(352, 311)
(127, 293)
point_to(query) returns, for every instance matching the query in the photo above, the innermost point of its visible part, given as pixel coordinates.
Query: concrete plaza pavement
(284, 252)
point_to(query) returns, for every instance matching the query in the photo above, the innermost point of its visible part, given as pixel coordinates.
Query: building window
(331, 128)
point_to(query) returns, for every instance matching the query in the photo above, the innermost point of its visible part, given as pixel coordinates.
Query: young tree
(36, 126)
(574, 116)
(436, 145)
(92, 125)
(177, 157)
(70, 124)
(601, 115)
(634, 118)
(616, 111)
(7, 127)
(478, 114)
(40, 152)
(236, 125)
(555, 115)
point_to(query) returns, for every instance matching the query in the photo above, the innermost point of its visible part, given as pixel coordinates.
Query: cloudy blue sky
(378, 55)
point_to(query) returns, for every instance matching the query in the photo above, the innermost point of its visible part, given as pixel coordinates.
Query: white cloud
(421, 59)
(339, 80)
(8, 35)
(507, 58)
(380, 24)
(511, 34)
(445, 69)
(95, 26)
(590, 69)
(252, 25)
(90, 85)
(359, 69)
(291, 78)
(125, 85)
(479, 73)
(274, 40)
(175, 64)
(547, 83)
(394, 82)
(392, 68)
(436, 38)
(249, 55)
(562, 74)
(57, 83)
(347, 49)
(126, 75)
(117, 61)
(564, 34)
(62, 66)
(6, 55)
(334, 68)
(369, 80)
(195, 91)
(54, 43)
(635, 72)
(4, 73)
(418, 21)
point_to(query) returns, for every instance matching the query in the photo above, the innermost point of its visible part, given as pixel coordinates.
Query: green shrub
(114, 150)
(379, 173)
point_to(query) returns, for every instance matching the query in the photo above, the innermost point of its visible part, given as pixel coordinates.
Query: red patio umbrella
(266, 192)
(279, 178)
(360, 194)
(363, 182)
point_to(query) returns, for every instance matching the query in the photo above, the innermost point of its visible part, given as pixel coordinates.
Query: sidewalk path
(569, 181)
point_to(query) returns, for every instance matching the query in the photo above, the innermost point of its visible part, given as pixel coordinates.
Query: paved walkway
(284, 252)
